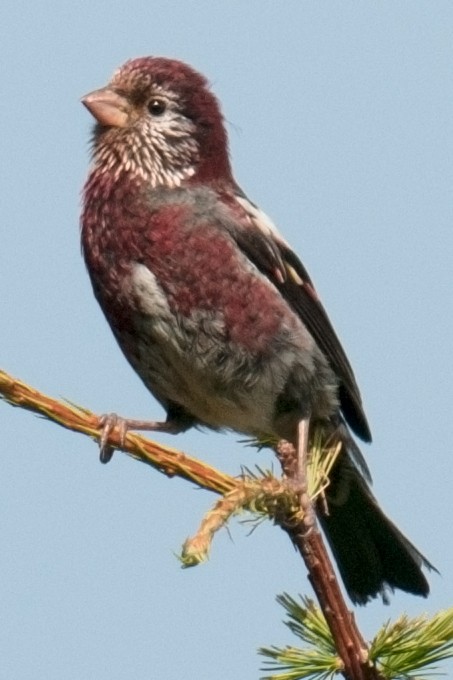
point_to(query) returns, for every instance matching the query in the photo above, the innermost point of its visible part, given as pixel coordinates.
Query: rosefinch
(213, 309)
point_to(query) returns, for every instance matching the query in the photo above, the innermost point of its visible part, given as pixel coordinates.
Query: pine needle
(406, 649)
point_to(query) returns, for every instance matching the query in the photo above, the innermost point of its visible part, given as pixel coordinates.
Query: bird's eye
(156, 107)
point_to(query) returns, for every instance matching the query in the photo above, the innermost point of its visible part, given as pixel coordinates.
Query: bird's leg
(110, 421)
(293, 457)
(301, 478)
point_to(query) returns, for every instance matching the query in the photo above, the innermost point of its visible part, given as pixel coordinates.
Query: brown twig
(163, 458)
(349, 643)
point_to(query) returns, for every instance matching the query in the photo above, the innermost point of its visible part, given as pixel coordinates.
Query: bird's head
(158, 120)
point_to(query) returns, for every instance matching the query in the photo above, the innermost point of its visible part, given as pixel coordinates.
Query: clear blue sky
(340, 121)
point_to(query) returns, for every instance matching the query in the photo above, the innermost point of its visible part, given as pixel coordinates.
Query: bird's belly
(243, 385)
(219, 385)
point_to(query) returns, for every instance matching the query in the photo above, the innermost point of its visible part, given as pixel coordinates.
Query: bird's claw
(299, 489)
(109, 422)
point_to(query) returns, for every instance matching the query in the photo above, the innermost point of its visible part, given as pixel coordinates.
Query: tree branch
(350, 645)
(165, 459)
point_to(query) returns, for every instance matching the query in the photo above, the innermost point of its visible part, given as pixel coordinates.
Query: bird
(214, 310)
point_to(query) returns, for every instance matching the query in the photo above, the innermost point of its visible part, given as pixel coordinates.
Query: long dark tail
(372, 554)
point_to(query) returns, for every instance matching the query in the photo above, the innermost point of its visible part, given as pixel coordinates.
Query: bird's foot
(111, 421)
(294, 463)
(301, 476)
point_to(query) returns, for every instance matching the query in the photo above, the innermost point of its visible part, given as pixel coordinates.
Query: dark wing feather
(272, 256)
(303, 299)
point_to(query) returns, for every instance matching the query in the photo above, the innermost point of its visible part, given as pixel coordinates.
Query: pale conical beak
(108, 107)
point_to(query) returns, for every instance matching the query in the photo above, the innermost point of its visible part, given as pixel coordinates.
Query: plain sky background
(340, 122)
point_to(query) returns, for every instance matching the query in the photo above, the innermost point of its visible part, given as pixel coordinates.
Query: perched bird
(213, 309)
